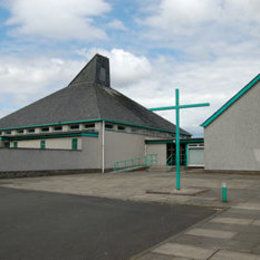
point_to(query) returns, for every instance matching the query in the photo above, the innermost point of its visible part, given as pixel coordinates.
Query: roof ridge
(231, 101)
(96, 97)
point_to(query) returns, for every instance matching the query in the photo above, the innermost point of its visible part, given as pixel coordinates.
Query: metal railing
(170, 160)
(135, 163)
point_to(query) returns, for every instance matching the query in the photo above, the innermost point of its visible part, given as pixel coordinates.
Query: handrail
(170, 160)
(136, 162)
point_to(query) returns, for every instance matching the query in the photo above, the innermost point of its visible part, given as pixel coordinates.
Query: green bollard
(224, 192)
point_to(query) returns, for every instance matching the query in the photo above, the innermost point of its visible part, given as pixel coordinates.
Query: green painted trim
(170, 141)
(186, 155)
(231, 101)
(49, 136)
(14, 145)
(126, 123)
(94, 134)
(192, 141)
(137, 126)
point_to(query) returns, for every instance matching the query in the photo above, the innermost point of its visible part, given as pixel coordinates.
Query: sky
(209, 49)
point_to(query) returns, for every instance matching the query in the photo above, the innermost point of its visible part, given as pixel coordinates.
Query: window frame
(74, 144)
(43, 144)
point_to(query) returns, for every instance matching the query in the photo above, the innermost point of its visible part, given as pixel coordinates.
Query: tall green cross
(177, 108)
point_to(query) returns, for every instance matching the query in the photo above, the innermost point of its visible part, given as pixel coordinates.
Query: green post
(186, 155)
(224, 191)
(177, 141)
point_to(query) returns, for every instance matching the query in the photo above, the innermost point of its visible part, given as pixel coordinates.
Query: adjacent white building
(232, 134)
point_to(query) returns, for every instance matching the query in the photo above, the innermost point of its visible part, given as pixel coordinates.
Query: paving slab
(256, 250)
(215, 243)
(256, 222)
(248, 236)
(234, 228)
(187, 251)
(230, 255)
(232, 221)
(155, 256)
(241, 213)
(211, 233)
(248, 206)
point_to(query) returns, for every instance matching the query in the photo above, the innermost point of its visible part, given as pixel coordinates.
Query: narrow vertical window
(43, 144)
(74, 144)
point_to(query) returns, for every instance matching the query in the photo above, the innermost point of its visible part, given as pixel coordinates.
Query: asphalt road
(42, 225)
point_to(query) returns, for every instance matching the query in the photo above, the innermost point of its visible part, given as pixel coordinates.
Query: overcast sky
(209, 49)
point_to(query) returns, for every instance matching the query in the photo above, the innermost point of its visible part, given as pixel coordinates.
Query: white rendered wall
(47, 160)
(160, 150)
(122, 146)
(232, 141)
(28, 144)
(53, 143)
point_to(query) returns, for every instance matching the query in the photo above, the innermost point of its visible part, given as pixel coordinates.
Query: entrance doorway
(171, 154)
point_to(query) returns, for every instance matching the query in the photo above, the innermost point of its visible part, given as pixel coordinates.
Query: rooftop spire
(95, 72)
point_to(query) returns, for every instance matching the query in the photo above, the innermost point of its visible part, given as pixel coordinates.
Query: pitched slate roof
(231, 101)
(88, 97)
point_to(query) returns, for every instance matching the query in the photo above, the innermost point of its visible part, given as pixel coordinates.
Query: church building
(87, 126)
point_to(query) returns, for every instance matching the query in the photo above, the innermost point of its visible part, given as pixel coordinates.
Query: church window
(45, 129)
(89, 125)
(31, 130)
(108, 126)
(121, 128)
(74, 127)
(58, 128)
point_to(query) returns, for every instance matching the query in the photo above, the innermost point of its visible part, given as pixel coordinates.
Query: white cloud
(57, 19)
(184, 16)
(25, 80)
(117, 25)
(175, 15)
(203, 29)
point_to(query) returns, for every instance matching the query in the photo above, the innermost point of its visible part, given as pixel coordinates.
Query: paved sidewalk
(234, 233)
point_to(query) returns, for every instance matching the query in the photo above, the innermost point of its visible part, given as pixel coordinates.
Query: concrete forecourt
(113, 216)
